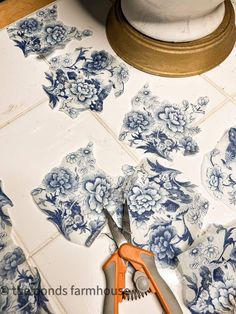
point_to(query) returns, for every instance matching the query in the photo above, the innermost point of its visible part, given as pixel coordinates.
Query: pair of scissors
(146, 277)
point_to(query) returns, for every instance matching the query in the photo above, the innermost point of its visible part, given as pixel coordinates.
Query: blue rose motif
(144, 201)
(216, 178)
(61, 180)
(160, 243)
(99, 193)
(137, 121)
(30, 25)
(174, 118)
(100, 61)
(10, 262)
(233, 255)
(55, 34)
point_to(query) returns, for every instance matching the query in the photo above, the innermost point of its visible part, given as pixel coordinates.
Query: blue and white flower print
(82, 80)
(209, 270)
(42, 33)
(160, 127)
(74, 194)
(166, 214)
(218, 169)
(20, 285)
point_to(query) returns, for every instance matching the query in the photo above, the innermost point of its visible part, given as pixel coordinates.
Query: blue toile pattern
(209, 270)
(162, 128)
(42, 33)
(20, 285)
(82, 80)
(73, 196)
(218, 169)
(166, 214)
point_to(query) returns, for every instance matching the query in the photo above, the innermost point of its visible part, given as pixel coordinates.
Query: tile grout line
(19, 115)
(212, 112)
(110, 131)
(44, 244)
(216, 86)
(54, 297)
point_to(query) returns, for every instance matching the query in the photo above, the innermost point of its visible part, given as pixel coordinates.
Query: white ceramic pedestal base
(174, 20)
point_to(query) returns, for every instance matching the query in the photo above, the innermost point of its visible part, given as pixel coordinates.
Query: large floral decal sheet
(82, 80)
(209, 270)
(218, 169)
(20, 285)
(162, 128)
(42, 33)
(166, 214)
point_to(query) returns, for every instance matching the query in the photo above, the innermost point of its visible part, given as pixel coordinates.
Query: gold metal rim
(170, 59)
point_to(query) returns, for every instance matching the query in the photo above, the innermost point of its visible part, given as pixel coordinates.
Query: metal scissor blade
(115, 231)
(126, 230)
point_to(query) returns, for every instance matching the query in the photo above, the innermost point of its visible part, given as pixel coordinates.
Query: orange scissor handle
(144, 261)
(115, 270)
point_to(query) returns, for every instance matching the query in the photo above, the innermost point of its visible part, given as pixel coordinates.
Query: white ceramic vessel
(174, 20)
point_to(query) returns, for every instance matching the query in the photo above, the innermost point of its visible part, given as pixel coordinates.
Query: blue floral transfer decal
(74, 194)
(209, 270)
(166, 214)
(218, 169)
(42, 33)
(20, 285)
(82, 80)
(162, 128)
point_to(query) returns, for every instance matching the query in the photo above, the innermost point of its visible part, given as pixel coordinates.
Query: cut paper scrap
(73, 195)
(219, 169)
(21, 290)
(166, 214)
(162, 128)
(209, 271)
(41, 33)
(82, 80)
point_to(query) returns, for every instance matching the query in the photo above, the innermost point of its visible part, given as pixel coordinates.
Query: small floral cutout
(41, 34)
(73, 196)
(162, 128)
(83, 80)
(209, 270)
(166, 214)
(20, 286)
(218, 169)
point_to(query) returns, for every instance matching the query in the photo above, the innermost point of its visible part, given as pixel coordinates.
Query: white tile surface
(33, 145)
(39, 139)
(21, 80)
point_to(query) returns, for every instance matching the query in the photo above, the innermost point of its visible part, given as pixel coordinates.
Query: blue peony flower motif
(61, 181)
(161, 244)
(100, 61)
(216, 178)
(145, 201)
(30, 25)
(10, 262)
(223, 294)
(174, 118)
(99, 193)
(86, 92)
(55, 34)
(137, 121)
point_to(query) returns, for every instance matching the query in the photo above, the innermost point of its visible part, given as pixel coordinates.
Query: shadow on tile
(97, 11)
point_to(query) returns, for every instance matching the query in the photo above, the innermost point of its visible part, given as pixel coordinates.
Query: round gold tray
(170, 59)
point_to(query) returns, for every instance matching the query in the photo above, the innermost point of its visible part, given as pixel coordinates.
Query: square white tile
(33, 145)
(21, 80)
